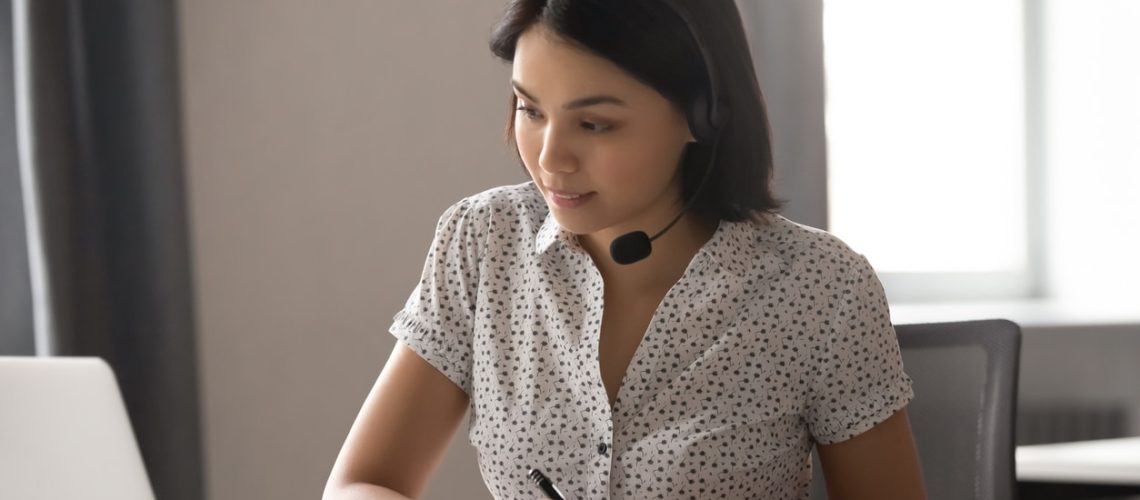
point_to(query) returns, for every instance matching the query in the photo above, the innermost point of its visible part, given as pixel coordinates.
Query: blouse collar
(732, 245)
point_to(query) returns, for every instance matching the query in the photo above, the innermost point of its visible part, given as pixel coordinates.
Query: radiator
(1061, 422)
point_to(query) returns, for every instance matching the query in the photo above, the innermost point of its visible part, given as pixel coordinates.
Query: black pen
(547, 487)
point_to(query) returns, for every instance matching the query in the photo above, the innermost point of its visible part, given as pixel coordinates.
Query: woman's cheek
(528, 150)
(630, 167)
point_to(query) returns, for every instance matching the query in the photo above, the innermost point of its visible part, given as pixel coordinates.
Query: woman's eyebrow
(577, 103)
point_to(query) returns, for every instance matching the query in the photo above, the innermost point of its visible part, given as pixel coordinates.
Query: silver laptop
(64, 432)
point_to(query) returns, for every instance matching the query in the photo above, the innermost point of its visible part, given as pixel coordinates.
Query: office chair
(964, 408)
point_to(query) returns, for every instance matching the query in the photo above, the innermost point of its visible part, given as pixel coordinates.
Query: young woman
(709, 367)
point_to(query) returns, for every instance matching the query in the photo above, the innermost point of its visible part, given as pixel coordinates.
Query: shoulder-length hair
(651, 41)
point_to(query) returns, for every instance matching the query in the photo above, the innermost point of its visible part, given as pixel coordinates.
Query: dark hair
(651, 41)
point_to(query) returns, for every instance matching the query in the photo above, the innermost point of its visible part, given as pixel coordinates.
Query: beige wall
(324, 139)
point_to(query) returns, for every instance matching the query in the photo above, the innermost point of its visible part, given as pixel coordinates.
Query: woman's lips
(570, 200)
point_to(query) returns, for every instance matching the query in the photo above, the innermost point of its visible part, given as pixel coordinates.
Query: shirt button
(602, 448)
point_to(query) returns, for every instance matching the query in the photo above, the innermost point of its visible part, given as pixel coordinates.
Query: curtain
(15, 283)
(108, 213)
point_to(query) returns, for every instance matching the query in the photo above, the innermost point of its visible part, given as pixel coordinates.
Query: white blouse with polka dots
(777, 336)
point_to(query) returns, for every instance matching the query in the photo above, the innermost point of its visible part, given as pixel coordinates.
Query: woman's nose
(556, 155)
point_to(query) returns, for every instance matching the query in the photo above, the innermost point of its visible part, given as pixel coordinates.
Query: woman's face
(584, 125)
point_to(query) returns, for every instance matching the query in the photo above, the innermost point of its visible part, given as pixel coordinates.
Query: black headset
(706, 113)
(706, 116)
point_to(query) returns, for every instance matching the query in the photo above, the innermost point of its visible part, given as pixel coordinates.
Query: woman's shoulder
(497, 213)
(514, 201)
(521, 197)
(800, 247)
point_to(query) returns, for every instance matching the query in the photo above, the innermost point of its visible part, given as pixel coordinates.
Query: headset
(706, 116)
(706, 113)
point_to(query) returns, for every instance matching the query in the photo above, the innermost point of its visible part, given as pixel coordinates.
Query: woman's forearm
(363, 491)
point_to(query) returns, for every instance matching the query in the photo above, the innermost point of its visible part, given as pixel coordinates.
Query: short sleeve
(858, 379)
(438, 317)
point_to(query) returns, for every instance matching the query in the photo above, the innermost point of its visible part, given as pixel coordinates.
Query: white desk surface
(1103, 461)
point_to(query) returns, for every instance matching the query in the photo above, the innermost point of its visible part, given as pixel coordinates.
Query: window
(1091, 150)
(985, 149)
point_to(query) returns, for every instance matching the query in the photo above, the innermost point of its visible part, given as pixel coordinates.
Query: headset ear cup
(718, 115)
(706, 121)
(702, 128)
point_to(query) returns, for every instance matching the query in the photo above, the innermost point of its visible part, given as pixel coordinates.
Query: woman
(708, 367)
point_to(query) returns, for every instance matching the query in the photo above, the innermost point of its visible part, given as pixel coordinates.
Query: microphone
(634, 246)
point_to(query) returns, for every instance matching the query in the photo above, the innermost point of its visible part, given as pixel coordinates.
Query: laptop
(64, 432)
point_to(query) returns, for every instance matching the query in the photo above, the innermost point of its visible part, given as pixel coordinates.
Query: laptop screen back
(64, 432)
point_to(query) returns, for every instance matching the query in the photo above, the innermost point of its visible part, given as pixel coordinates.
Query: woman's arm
(880, 464)
(401, 432)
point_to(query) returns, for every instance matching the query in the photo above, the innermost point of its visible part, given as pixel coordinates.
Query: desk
(1105, 467)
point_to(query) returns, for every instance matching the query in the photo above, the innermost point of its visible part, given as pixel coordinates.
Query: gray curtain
(109, 195)
(786, 39)
(15, 283)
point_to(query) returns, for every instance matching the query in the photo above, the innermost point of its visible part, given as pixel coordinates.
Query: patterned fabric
(776, 337)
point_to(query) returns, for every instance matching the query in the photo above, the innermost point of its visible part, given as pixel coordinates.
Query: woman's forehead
(547, 67)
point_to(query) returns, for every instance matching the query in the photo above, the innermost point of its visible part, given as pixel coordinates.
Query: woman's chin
(571, 225)
(575, 223)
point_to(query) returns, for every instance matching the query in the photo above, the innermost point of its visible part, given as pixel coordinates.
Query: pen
(548, 488)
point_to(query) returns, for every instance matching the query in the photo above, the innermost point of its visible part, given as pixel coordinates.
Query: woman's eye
(529, 112)
(595, 128)
(591, 127)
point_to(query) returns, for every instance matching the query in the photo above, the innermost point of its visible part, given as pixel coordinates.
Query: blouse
(776, 337)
